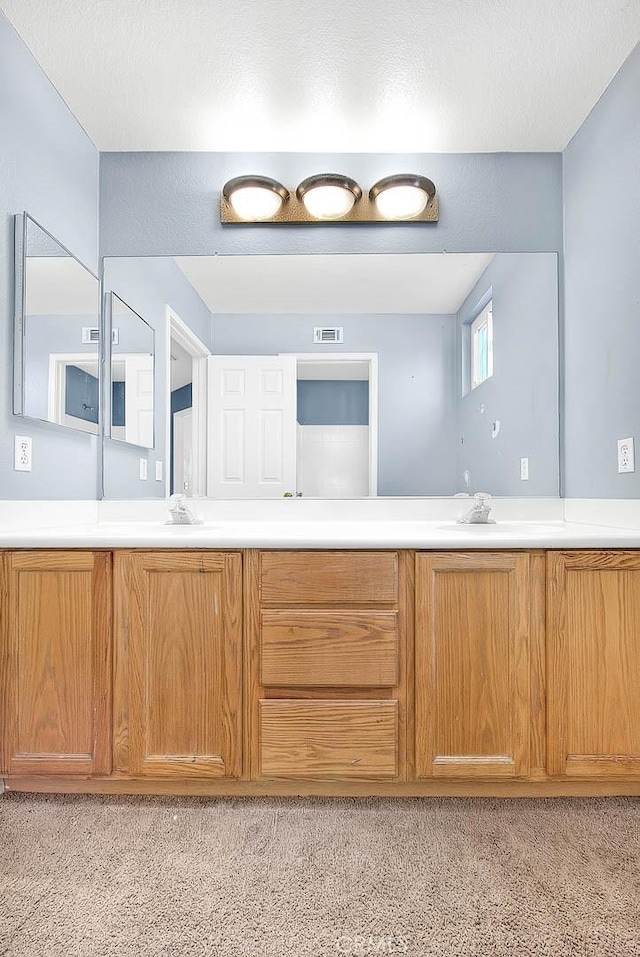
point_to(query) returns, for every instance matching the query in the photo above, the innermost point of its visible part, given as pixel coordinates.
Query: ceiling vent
(92, 334)
(328, 334)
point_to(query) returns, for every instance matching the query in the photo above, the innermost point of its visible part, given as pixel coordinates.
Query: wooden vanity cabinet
(477, 644)
(320, 671)
(55, 654)
(594, 664)
(327, 635)
(178, 664)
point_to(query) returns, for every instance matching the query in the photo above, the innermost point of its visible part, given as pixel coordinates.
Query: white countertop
(367, 524)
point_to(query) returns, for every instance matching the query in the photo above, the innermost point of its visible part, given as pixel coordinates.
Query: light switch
(143, 470)
(158, 471)
(524, 469)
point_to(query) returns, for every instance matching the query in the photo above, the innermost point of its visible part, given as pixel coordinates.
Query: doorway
(186, 420)
(287, 424)
(337, 425)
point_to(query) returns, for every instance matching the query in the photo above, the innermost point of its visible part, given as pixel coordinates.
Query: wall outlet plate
(22, 453)
(626, 455)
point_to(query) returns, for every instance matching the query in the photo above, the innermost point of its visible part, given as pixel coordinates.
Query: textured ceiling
(326, 285)
(330, 76)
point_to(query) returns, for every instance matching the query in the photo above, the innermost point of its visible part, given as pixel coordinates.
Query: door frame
(372, 359)
(185, 337)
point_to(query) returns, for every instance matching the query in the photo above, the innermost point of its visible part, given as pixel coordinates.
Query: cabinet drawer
(328, 577)
(347, 649)
(329, 739)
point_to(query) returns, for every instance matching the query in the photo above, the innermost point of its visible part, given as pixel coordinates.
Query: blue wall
(523, 391)
(333, 402)
(416, 369)
(148, 285)
(602, 291)
(49, 167)
(167, 204)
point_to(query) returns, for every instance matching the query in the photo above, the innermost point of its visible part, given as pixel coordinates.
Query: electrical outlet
(524, 469)
(626, 455)
(143, 470)
(158, 471)
(22, 453)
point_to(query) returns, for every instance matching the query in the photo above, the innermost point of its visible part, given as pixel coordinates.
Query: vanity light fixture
(329, 198)
(402, 196)
(255, 198)
(328, 195)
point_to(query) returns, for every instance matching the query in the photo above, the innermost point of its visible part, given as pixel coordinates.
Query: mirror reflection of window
(61, 324)
(482, 346)
(132, 376)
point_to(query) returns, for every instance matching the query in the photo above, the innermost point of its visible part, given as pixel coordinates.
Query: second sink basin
(506, 528)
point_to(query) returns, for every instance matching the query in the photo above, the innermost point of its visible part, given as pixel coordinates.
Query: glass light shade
(401, 202)
(255, 202)
(328, 202)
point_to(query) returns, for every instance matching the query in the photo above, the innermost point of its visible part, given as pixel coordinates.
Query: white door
(138, 400)
(183, 451)
(252, 426)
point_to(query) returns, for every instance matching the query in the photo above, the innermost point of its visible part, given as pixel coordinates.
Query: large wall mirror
(56, 332)
(349, 376)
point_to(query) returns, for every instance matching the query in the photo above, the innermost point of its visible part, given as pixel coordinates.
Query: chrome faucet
(479, 512)
(180, 512)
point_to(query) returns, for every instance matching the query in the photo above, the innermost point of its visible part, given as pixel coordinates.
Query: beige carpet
(308, 878)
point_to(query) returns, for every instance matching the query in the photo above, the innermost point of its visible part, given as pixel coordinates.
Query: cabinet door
(180, 633)
(472, 692)
(594, 664)
(56, 656)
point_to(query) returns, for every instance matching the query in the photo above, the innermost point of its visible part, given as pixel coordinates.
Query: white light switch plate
(158, 471)
(143, 470)
(524, 469)
(626, 455)
(22, 453)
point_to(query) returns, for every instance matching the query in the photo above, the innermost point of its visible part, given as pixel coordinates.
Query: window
(482, 346)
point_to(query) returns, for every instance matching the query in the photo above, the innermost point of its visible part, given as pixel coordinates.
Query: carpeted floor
(171, 877)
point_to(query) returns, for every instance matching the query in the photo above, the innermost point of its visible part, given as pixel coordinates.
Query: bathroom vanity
(475, 670)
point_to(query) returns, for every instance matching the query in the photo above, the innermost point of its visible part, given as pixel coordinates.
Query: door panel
(138, 399)
(184, 675)
(472, 665)
(594, 664)
(57, 650)
(252, 426)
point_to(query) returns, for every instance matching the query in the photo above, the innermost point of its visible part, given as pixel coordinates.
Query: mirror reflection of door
(181, 438)
(252, 427)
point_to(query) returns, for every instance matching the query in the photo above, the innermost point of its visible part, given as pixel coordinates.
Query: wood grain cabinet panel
(56, 663)
(181, 636)
(328, 577)
(329, 739)
(321, 648)
(594, 664)
(472, 698)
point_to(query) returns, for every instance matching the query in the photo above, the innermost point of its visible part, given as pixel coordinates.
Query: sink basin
(125, 528)
(506, 528)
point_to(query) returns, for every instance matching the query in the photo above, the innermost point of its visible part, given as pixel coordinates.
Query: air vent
(90, 335)
(328, 334)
